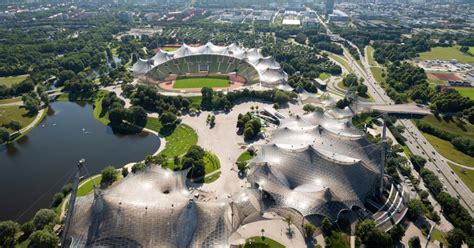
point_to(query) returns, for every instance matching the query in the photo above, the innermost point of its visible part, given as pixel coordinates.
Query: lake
(39, 164)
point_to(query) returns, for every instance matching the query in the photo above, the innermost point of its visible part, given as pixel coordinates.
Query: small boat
(83, 129)
(54, 124)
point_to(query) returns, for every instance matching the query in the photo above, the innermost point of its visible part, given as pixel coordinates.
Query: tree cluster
(248, 125)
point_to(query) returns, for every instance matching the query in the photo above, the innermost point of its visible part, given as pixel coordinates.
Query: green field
(341, 61)
(9, 81)
(452, 126)
(263, 242)
(467, 176)
(471, 50)
(153, 124)
(98, 112)
(87, 187)
(447, 53)
(447, 150)
(10, 100)
(211, 163)
(324, 76)
(438, 235)
(212, 178)
(199, 82)
(15, 113)
(377, 72)
(169, 49)
(466, 91)
(179, 141)
(244, 156)
(370, 56)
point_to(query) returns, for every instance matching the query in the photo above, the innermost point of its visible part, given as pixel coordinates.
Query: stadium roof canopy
(154, 208)
(269, 71)
(317, 165)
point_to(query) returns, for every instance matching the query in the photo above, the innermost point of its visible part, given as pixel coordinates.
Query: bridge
(406, 108)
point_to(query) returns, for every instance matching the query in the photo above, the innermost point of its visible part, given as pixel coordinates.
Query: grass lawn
(195, 102)
(88, 187)
(98, 113)
(377, 72)
(324, 76)
(436, 81)
(199, 82)
(15, 113)
(10, 100)
(212, 178)
(447, 53)
(153, 124)
(341, 61)
(244, 156)
(446, 149)
(266, 242)
(438, 235)
(9, 81)
(467, 176)
(451, 126)
(211, 163)
(370, 56)
(471, 50)
(179, 141)
(169, 49)
(466, 91)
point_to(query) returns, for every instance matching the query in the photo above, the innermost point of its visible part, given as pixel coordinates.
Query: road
(415, 141)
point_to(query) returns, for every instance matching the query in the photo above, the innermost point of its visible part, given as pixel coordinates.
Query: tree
(167, 118)
(455, 238)
(138, 167)
(397, 232)
(361, 90)
(326, 226)
(137, 115)
(371, 236)
(464, 49)
(43, 218)
(309, 108)
(418, 161)
(414, 242)
(57, 199)
(44, 239)
(350, 80)
(8, 230)
(124, 172)
(415, 209)
(248, 133)
(309, 230)
(109, 175)
(281, 97)
(27, 228)
(4, 135)
(116, 115)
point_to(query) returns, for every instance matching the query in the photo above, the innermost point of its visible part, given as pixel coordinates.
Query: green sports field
(447, 53)
(466, 91)
(200, 82)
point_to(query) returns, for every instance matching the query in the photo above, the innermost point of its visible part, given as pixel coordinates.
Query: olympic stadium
(241, 66)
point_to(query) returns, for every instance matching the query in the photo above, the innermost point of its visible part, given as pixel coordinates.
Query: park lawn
(179, 141)
(471, 50)
(447, 53)
(10, 100)
(467, 176)
(195, 102)
(466, 91)
(370, 56)
(324, 76)
(212, 178)
(153, 124)
(98, 112)
(436, 81)
(211, 163)
(438, 235)
(447, 150)
(200, 82)
(266, 242)
(245, 156)
(9, 81)
(15, 113)
(169, 49)
(452, 126)
(88, 187)
(341, 61)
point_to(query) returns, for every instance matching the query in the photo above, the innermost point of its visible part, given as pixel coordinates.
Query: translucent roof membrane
(317, 165)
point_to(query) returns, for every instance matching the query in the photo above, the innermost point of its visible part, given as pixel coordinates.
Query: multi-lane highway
(415, 141)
